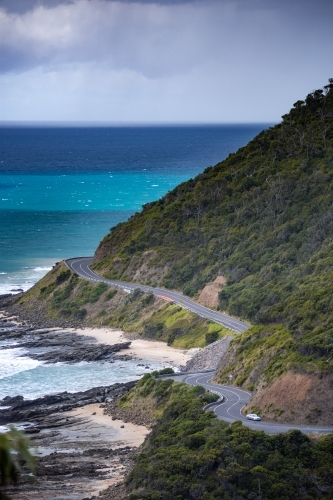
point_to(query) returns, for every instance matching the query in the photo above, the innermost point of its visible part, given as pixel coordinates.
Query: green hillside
(191, 455)
(263, 218)
(61, 298)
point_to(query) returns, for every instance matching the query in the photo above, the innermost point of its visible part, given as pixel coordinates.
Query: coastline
(82, 448)
(70, 440)
(114, 356)
(140, 348)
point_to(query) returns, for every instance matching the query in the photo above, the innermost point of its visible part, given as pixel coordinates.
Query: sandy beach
(140, 348)
(116, 432)
(82, 447)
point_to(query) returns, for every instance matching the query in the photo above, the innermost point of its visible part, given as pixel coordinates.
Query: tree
(13, 444)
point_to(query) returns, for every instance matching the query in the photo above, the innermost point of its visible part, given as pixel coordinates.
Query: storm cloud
(162, 60)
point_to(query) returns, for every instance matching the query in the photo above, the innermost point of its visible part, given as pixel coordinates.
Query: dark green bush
(110, 295)
(148, 299)
(211, 337)
(63, 276)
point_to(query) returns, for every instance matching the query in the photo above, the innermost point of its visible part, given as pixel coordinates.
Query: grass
(64, 295)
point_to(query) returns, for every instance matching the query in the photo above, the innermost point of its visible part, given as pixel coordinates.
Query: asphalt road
(234, 399)
(80, 265)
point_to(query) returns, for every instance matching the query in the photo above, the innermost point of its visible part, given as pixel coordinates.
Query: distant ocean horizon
(63, 188)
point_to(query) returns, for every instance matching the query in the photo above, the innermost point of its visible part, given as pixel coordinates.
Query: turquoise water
(62, 189)
(84, 192)
(46, 218)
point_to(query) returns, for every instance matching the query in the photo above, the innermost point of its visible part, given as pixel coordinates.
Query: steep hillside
(263, 220)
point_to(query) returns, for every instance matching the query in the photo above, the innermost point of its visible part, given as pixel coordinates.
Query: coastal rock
(21, 410)
(209, 357)
(54, 346)
(75, 455)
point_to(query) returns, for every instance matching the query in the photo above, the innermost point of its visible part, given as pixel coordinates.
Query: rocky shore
(58, 345)
(80, 451)
(85, 444)
(35, 411)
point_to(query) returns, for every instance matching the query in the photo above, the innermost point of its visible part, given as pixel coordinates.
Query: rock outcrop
(209, 357)
(18, 409)
(54, 346)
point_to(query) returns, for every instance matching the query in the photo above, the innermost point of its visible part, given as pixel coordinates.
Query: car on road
(253, 416)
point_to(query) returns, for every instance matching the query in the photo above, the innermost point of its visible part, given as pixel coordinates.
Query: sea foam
(12, 362)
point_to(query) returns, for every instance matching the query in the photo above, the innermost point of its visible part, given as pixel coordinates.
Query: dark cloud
(151, 38)
(23, 6)
(318, 7)
(142, 55)
(146, 38)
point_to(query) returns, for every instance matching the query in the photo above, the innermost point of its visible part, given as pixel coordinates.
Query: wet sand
(117, 432)
(140, 348)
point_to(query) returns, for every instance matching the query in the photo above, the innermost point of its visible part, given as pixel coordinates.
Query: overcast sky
(167, 61)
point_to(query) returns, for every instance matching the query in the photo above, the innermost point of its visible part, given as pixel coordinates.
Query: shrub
(148, 299)
(211, 337)
(63, 276)
(110, 295)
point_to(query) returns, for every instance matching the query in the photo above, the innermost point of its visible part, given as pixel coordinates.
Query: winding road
(233, 399)
(81, 266)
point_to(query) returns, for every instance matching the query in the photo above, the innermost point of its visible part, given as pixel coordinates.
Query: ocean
(21, 375)
(63, 188)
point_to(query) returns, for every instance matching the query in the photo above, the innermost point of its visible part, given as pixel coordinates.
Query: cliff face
(263, 219)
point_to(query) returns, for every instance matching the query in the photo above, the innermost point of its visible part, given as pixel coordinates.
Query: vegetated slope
(190, 454)
(62, 298)
(263, 218)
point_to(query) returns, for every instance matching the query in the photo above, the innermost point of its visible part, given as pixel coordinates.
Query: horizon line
(42, 123)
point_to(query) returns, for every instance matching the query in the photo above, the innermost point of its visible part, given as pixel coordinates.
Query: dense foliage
(190, 454)
(263, 218)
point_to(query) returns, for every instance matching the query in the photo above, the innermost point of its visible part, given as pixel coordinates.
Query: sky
(162, 61)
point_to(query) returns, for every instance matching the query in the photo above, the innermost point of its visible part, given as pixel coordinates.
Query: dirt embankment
(300, 398)
(292, 397)
(209, 296)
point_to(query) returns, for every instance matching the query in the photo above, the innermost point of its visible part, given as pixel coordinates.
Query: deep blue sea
(61, 189)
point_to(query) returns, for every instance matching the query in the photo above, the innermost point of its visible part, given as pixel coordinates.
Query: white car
(253, 416)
